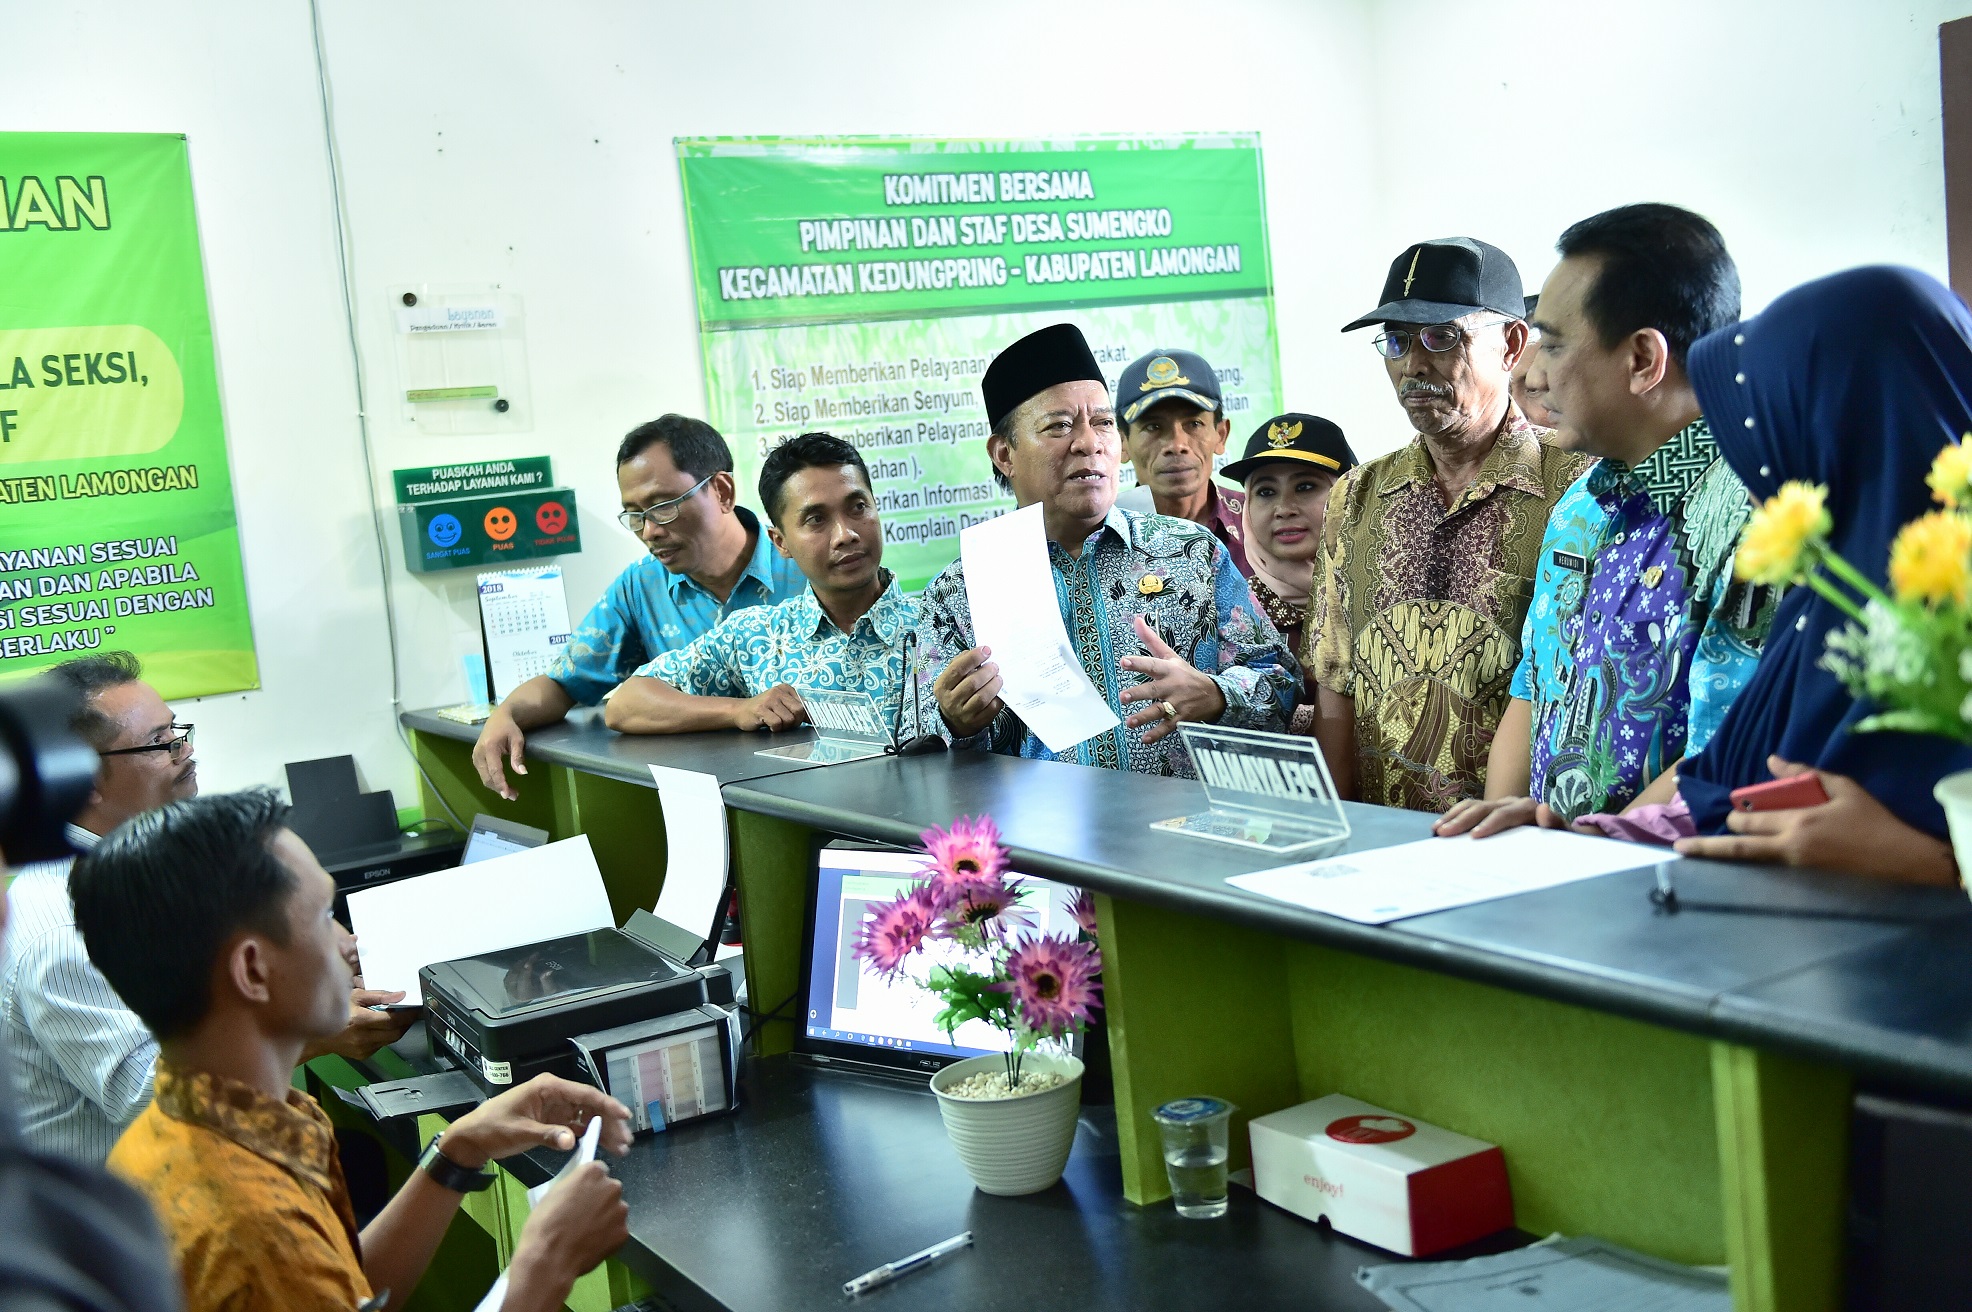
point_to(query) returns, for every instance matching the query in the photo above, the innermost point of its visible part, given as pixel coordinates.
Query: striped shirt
(82, 1061)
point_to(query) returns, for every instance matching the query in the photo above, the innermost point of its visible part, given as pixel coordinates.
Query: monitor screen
(492, 836)
(847, 1005)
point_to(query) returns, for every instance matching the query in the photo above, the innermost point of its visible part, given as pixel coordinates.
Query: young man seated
(845, 633)
(212, 921)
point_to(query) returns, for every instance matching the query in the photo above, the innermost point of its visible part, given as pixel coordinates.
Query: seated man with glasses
(844, 634)
(1429, 553)
(707, 558)
(81, 1060)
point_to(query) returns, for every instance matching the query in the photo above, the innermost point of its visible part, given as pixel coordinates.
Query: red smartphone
(1790, 794)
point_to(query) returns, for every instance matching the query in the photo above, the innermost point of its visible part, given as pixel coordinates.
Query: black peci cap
(1056, 354)
(1161, 375)
(1303, 439)
(1438, 281)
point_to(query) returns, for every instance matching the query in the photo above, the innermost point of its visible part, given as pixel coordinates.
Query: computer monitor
(849, 1014)
(492, 836)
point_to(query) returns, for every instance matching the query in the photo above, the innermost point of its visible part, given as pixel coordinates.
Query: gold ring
(1170, 711)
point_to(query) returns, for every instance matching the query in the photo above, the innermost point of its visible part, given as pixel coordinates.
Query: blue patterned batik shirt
(797, 643)
(649, 609)
(1175, 574)
(1638, 637)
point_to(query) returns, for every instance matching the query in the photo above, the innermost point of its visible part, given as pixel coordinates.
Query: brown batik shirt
(1419, 609)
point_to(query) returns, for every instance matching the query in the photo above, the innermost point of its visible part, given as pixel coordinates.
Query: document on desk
(1409, 879)
(1009, 589)
(693, 895)
(1562, 1276)
(528, 897)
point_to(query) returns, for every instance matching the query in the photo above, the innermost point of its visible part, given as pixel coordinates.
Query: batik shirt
(1175, 574)
(649, 609)
(250, 1191)
(1638, 637)
(1225, 515)
(797, 643)
(1419, 608)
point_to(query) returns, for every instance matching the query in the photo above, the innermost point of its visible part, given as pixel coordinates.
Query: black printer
(591, 1006)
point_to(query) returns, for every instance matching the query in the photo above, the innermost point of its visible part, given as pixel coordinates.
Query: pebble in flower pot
(1010, 1115)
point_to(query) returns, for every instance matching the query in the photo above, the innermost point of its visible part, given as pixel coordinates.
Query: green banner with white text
(862, 285)
(117, 527)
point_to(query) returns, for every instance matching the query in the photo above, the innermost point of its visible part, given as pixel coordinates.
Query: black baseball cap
(1161, 375)
(1438, 281)
(1305, 439)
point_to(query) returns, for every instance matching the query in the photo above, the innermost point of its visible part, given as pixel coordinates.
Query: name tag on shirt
(1569, 560)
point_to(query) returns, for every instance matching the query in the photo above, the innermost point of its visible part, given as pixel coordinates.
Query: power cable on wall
(341, 216)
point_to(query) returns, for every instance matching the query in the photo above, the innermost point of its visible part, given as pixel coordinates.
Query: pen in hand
(889, 1271)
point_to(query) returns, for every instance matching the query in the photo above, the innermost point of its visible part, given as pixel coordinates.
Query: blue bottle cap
(1186, 1110)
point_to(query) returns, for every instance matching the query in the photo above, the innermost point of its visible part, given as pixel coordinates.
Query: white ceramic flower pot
(1012, 1145)
(1954, 793)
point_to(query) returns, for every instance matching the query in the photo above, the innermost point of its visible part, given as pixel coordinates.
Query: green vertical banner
(116, 502)
(862, 285)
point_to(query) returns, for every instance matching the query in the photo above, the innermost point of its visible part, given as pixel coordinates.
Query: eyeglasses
(661, 513)
(1439, 338)
(179, 745)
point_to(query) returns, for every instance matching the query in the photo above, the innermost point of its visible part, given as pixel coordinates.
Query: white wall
(528, 145)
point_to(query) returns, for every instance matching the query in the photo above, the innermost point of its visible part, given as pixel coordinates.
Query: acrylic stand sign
(847, 728)
(1266, 790)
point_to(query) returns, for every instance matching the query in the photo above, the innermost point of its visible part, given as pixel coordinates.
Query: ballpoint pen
(889, 1271)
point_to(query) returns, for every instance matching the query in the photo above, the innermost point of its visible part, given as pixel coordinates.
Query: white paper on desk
(1564, 1276)
(1410, 879)
(695, 850)
(527, 897)
(1010, 590)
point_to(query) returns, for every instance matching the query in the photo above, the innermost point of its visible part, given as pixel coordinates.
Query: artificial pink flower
(895, 930)
(991, 907)
(1052, 979)
(1084, 911)
(962, 858)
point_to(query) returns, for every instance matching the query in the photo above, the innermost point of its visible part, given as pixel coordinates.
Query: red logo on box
(1370, 1129)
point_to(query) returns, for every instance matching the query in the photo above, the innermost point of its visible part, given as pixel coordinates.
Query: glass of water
(1195, 1132)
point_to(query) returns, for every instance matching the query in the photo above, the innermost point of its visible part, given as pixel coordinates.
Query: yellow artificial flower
(1931, 560)
(1951, 475)
(1778, 535)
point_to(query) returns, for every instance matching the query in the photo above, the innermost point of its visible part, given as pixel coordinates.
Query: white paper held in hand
(585, 1152)
(1009, 588)
(527, 897)
(694, 849)
(1436, 874)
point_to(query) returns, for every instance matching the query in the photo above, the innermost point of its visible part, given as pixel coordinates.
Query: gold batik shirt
(1419, 607)
(251, 1195)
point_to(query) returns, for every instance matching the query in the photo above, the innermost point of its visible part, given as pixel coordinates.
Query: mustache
(1410, 385)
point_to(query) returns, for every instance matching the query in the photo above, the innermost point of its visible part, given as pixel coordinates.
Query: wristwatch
(449, 1174)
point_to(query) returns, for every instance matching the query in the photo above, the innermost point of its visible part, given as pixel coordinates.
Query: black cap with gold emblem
(1040, 360)
(1439, 281)
(1307, 440)
(1162, 375)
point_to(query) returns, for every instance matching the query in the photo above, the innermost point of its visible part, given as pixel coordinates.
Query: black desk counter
(1875, 977)
(583, 742)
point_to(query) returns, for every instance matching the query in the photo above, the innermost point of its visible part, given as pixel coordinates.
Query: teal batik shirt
(796, 643)
(1638, 638)
(649, 609)
(1182, 580)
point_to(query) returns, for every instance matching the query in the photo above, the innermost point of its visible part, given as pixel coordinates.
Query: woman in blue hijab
(1853, 382)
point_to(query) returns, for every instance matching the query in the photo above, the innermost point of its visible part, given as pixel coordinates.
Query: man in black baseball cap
(1149, 604)
(1174, 427)
(1429, 552)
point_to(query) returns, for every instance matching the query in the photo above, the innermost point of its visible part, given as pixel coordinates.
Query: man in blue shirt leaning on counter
(1160, 619)
(708, 558)
(845, 633)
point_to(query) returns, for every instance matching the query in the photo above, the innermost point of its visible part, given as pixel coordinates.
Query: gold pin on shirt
(1653, 576)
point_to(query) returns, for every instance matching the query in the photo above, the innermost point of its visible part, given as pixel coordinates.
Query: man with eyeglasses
(1429, 552)
(707, 558)
(81, 1060)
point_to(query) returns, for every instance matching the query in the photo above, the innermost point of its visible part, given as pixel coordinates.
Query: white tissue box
(1385, 1179)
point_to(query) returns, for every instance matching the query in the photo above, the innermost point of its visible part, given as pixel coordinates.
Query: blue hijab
(1854, 382)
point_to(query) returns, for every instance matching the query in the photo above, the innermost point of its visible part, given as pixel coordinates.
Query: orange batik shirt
(250, 1192)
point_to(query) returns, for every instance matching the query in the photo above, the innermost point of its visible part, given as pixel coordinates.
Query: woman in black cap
(1290, 464)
